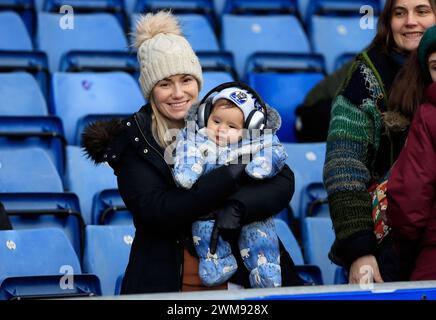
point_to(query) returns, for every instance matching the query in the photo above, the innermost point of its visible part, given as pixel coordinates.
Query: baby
(232, 116)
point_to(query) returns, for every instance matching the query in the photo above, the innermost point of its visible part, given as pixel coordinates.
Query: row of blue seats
(240, 35)
(42, 262)
(78, 98)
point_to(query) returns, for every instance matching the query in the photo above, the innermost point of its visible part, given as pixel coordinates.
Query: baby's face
(225, 123)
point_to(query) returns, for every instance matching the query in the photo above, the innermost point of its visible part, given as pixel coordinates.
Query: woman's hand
(365, 270)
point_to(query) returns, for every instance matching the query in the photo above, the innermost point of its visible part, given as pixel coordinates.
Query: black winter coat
(163, 213)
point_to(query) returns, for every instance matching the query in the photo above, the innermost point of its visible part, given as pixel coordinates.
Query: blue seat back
(35, 252)
(334, 36)
(44, 210)
(21, 95)
(107, 250)
(86, 179)
(211, 79)
(199, 32)
(245, 35)
(318, 236)
(289, 242)
(307, 162)
(76, 95)
(44, 132)
(108, 208)
(13, 32)
(90, 32)
(284, 92)
(28, 170)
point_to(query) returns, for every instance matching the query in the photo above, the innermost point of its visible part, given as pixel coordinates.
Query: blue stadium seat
(343, 59)
(41, 263)
(335, 27)
(32, 62)
(86, 179)
(310, 274)
(283, 80)
(90, 33)
(318, 236)
(76, 95)
(211, 79)
(44, 132)
(196, 28)
(334, 36)
(199, 32)
(260, 7)
(13, 32)
(245, 35)
(21, 95)
(307, 162)
(44, 210)
(314, 202)
(28, 170)
(108, 208)
(107, 250)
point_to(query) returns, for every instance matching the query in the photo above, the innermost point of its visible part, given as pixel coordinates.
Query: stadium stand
(13, 32)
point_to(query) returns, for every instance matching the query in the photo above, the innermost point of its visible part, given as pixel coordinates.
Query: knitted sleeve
(355, 129)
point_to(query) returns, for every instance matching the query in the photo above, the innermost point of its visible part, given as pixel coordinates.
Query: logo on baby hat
(239, 97)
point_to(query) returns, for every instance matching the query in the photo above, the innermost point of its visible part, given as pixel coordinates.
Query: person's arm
(158, 204)
(411, 189)
(268, 161)
(355, 123)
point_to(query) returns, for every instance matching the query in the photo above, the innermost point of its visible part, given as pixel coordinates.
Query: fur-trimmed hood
(97, 137)
(273, 119)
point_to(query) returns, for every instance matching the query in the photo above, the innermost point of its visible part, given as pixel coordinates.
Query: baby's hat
(240, 97)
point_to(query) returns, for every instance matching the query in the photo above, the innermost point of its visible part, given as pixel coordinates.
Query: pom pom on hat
(163, 51)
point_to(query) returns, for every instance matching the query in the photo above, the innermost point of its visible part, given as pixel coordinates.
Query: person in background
(365, 138)
(411, 192)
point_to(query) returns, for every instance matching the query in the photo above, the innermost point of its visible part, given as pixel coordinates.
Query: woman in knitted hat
(163, 258)
(412, 185)
(364, 139)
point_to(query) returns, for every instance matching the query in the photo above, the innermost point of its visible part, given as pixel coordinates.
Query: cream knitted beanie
(163, 51)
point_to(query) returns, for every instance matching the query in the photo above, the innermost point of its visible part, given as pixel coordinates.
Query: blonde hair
(159, 126)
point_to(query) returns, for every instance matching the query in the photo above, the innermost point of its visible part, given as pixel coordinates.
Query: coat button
(145, 150)
(136, 139)
(128, 124)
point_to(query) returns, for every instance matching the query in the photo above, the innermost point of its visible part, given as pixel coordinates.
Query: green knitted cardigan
(352, 145)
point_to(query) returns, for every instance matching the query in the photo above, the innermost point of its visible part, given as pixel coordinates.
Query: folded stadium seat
(335, 27)
(13, 32)
(43, 132)
(86, 179)
(318, 236)
(21, 95)
(307, 162)
(107, 250)
(43, 210)
(283, 80)
(115, 7)
(28, 170)
(90, 33)
(76, 95)
(310, 274)
(108, 208)
(41, 263)
(245, 35)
